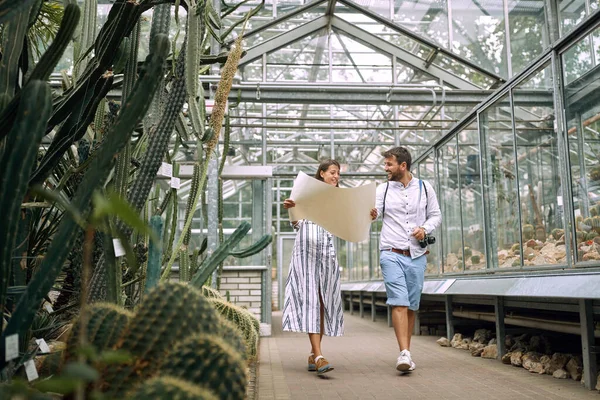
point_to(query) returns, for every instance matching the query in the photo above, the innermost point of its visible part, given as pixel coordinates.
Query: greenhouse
(149, 149)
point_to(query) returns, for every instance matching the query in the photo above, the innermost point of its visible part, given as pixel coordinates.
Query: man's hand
(289, 203)
(373, 214)
(419, 233)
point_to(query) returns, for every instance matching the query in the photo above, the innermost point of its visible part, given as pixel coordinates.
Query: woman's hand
(373, 214)
(289, 203)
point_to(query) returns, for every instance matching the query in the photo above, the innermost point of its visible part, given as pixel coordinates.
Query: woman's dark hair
(324, 166)
(401, 154)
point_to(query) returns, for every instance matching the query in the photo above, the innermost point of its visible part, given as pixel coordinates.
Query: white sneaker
(412, 366)
(404, 362)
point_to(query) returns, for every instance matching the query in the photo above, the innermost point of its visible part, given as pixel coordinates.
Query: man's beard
(397, 177)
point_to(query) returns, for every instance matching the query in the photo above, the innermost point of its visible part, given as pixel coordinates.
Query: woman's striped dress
(314, 269)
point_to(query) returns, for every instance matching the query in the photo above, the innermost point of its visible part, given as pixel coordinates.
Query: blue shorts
(403, 278)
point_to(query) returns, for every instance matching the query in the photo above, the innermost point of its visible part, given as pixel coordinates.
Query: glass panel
(355, 62)
(539, 178)
(471, 198)
(264, 14)
(582, 104)
(306, 60)
(528, 32)
(571, 12)
(500, 186)
(426, 171)
(479, 33)
(429, 18)
(449, 198)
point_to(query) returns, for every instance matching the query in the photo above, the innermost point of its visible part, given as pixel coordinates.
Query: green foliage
(208, 359)
(528, 232)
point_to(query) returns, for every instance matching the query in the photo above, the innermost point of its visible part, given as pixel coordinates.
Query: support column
(588, 348)
(500, 330)
(449, 318)
(373, 309)
(361, 305)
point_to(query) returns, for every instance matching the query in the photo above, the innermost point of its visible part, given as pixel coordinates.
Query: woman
(313, 302)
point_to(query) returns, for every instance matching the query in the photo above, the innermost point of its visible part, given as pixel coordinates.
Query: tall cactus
(100, 167)
(23, 141)
(154, 254)
(210, 360)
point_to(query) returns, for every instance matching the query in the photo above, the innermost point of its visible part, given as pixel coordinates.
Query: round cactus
(475, 259)
(516, 248)
(232, 335)
(581, 236)
(211, 293)
(243, 319)
(557, 233)
(596, 224)
(591, 235)
(209, 361)
(106, 324)
(467, 252)
(171, 388)
(170, 311)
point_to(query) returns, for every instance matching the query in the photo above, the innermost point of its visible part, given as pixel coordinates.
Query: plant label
(166, 169)
(12, 346)
(175, 183)
(44, 348)
(119, 249)
(31, 370)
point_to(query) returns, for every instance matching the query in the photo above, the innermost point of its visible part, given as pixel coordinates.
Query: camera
(427, 240)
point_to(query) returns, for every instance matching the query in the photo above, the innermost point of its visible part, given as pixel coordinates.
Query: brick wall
(244, 286)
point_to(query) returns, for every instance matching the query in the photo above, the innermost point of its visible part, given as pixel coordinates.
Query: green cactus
(100, 167)
(105, 326)
(23, 141)
(557, 233)
(516, 263)
(596, 224)
(254, 249)
(516, 248)
(191, 206)
(594, 211)
(13, 36)
(8, 8)
(170, 311)
(208, 360)
(587, 221)
(211, 263)
(232, 335)
(184, 265)
(475, 259)
(580, 235)
(154, 254)
(528, 232)
(168, 387)
(591, 235)
(467, 252)
(211, 293)
(243, 319)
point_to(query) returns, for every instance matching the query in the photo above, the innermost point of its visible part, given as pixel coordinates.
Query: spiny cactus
(191, 206)
(232, 335)
(596, 224)
(475, 259)
(168, 387)
(243, 319)
(516, 248)
(580, 235)
(591, 235)
(467, 252)
(253, 249)
(154, 254)
(169, 312)
(23, 141)
(557, 233)
(96, 175)
(208, 359)
(106, 324)
(209, 292)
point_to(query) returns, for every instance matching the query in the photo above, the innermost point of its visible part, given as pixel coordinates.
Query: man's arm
(434, 215)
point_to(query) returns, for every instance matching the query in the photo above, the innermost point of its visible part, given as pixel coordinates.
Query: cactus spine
(209, 360)
(190, 209)
(100, 167)
(23, 141)
(243, 319)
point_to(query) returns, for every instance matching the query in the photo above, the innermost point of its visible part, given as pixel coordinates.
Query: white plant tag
(31, 370)
(175, 182)
(166, 169)
(49, 308)
(119, 249)
(559, 201)
(44, 348)
(12, 347)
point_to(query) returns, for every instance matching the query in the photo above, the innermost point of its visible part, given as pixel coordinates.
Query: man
(410, 211)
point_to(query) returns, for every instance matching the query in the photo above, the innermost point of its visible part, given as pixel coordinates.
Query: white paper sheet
(344, 212)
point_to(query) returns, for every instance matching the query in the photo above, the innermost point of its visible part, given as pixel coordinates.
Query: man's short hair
(401, 154)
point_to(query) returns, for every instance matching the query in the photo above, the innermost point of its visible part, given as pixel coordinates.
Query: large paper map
(344, 212)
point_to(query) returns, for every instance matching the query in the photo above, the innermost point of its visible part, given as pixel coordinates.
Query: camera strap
(421, 184)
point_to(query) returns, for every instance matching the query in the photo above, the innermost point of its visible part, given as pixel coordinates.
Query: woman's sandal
(322, 365)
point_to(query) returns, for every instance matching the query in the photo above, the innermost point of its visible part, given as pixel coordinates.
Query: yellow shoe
(311, 363)
(322, 365)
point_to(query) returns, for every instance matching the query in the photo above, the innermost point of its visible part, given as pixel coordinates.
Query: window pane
(528, 32)
(426, 170)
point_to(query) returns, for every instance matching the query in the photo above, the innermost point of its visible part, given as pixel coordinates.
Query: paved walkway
(364, 360)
